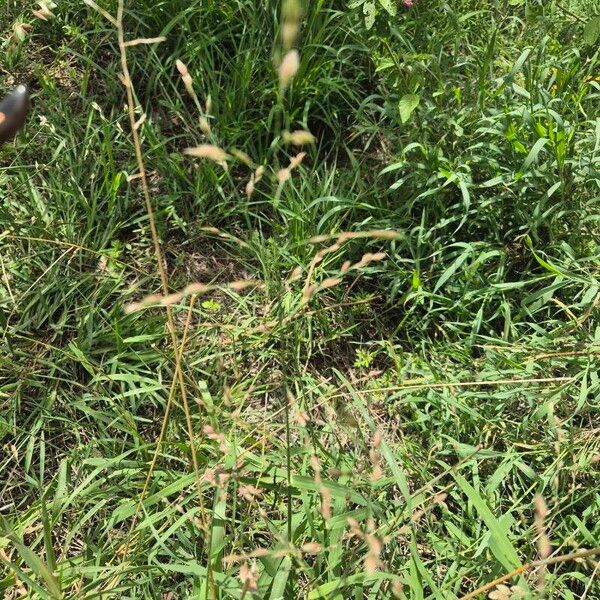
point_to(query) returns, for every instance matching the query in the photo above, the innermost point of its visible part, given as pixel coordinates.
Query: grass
(387, 383)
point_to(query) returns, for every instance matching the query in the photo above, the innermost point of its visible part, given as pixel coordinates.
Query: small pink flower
(408, 3)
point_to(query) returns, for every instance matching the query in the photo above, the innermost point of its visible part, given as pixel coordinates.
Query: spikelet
(204, 125)
(254, 179)
(288, 68)
(298, 138)
(186, 77)
(291, 14)
(210, 152)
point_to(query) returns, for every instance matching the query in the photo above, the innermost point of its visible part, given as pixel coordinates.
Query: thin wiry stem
(125, 548)
(177, 349)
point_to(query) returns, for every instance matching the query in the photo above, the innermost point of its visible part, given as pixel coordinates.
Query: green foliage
(591, 31)
(375, 413)
(376, 10)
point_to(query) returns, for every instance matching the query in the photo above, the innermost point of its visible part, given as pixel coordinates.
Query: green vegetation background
(385, 426)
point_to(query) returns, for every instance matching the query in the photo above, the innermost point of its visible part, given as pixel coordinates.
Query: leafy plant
(352, 349)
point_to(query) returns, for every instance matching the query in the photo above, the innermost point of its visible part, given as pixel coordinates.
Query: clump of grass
(344, 345)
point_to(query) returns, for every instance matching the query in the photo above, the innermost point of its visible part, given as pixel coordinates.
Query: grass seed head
(185, 76)
(204, 125)
(249, 577)
(288, 68)
(291, 14)
(250, 186)
(300, 137)
(210, 152)
(311, 548)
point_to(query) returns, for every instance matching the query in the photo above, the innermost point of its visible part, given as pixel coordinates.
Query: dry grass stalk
(553, 560)
(325, 493)
(543, 542)
(168, 300)
(340, 239)
(125, 548)
(375, 456)
(177, 349)
(102, 12)
(383, 234)
(140, 41)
